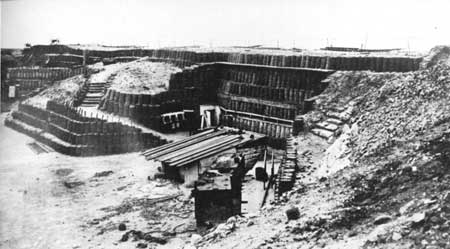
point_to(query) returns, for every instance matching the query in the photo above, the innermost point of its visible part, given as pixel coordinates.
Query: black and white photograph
(225, 124)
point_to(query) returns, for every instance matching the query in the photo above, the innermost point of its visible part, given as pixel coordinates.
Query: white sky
(305, 23)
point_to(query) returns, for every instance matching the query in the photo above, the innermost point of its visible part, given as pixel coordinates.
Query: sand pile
(143, 77)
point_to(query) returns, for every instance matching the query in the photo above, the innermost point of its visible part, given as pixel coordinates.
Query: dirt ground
(49, 200)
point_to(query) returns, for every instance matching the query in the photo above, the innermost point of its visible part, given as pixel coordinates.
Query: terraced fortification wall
(30, 78)
(68, 132)
(147, 108)
(257, 90)
(378, 62)
(263, 99)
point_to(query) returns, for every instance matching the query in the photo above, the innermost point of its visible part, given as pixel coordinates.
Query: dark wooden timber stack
(285, 179)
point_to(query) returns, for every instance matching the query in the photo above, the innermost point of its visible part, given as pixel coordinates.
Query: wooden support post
(265, 166)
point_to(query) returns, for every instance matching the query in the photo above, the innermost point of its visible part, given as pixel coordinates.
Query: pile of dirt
(438, 54)
(143, 77)
(399, 155)
(61, 91)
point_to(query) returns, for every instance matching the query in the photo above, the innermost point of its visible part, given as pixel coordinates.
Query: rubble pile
(219, 231)
(399, 156)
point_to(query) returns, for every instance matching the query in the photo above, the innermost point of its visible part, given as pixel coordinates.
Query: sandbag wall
(147, 108)
(30, 78)
(81, 136)
(38, 50)
(269, 91)
(68, 60)
(262, 99)
(203, 78)
(25, 85)
(56, 73)
(266, 99)
(332, 62)
(183, 58)
(120, 53)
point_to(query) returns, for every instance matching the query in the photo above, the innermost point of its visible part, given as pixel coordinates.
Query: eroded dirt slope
(393, 189)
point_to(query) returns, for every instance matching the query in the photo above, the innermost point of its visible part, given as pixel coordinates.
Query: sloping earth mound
(395, 192)
(140, 76)
(439, 54)
(61, 91)
(143, 77)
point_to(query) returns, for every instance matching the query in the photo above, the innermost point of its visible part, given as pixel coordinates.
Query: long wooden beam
(153, 150)
(198, 149)
(191, 149)
(184, 145)
(207, 153)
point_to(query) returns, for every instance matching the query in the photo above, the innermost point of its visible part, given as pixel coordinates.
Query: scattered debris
(103, 173)
(381, 219)
(73, 184)
(139, 235)
(293, 213)
(122, 227)
(63, 172)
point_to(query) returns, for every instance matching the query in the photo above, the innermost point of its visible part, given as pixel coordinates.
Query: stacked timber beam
(68, 132)
(285, 178)
(174, 146)
(206, 144)
(194, 148)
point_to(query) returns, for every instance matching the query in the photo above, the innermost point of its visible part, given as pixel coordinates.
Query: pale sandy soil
(143, 77)
(253, 191)
(60, 91)
(38, 211)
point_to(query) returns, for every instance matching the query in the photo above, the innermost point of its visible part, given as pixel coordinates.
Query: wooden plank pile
(285, 179)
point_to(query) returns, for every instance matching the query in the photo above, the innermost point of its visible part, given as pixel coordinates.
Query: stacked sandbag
(274, 92)
(147, 108)
(67, 131)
